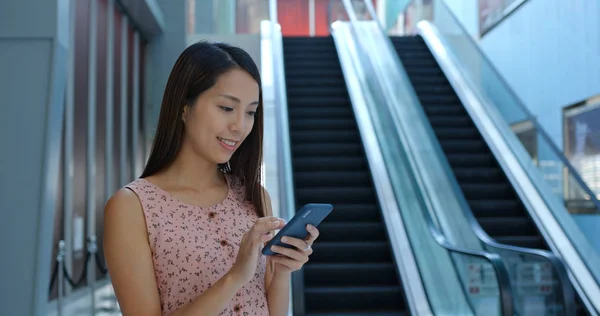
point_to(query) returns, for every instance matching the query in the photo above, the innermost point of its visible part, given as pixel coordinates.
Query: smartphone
(312, 213)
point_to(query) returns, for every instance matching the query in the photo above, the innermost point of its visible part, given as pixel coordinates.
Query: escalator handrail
(501, 271)
(556, 263)
(482, 235)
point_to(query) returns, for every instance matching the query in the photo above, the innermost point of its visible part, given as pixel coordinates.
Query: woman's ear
(186, 111)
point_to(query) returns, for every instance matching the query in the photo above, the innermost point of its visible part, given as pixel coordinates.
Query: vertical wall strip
(91, 138)
(135, 143)
(273, 11)
(311, 17)
(109, 135)
(69, 143)
(124, 75)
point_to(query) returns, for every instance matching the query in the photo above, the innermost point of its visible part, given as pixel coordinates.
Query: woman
(185, 238)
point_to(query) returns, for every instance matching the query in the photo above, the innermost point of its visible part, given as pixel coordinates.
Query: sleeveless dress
(193, 247)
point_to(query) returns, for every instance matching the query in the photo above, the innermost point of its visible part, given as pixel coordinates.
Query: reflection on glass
(480, 283)
(248, 14)
(527, 134)
(225, 16)
(582, 147)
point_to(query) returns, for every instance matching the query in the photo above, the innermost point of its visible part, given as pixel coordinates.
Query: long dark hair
(195, 71)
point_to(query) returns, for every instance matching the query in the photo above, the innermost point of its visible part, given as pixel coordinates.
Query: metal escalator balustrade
(489, 194)
(352, 271)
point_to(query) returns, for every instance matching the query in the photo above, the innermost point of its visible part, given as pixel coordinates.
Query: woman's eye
(252, 113)
(226, 109)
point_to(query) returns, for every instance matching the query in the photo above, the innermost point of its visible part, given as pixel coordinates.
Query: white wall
(548, 50)
(466, 11)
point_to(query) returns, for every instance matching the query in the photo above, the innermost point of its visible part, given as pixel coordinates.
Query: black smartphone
(312, 213)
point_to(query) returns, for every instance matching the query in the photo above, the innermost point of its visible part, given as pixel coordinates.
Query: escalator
(490, 195)
(352, 271)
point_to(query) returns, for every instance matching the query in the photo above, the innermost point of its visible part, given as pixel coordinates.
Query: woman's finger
(313, 231)
(290, 263)
(291, 253)
(298, 243)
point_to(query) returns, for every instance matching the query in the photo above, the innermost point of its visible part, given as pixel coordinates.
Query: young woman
(185, 238)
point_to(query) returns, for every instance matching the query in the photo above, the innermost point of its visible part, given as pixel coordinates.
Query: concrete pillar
(33, 58)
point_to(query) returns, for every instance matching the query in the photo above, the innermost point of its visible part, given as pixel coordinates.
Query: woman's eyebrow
(232, 98)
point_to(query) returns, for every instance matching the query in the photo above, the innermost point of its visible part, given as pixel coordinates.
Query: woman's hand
(244, 268)
(292, 259)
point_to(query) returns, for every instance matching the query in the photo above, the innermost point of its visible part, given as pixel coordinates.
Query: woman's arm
(129, 260)
(277, 283)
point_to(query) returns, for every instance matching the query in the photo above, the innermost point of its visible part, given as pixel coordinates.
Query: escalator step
(332, 178)
(301, 164)
(354, 213)
(431, 99)
(494, 208)
(293, 56)
(471, 160)
(350, 252)
(352, 232)
(354, 298)
(315, 91)
(357, 274)
(465, 133)
(450, 121)
(425, 62)
(506, 226)
(369, 313)
(417, 70)
(350, 136)
(531, 241)
(463, 145)
(323, 124)
(429, 80)
(344, 112)
(296, 82)
(434, 89)
(487, 191)
(300, 64)
(310, 49)
(478, 175)
(311, 73)
(319, 101)
(408, 48)
(328, 150)
(443, 109)
(335, 195)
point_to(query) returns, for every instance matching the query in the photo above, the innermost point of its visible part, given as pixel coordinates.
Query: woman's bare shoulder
(124, 205)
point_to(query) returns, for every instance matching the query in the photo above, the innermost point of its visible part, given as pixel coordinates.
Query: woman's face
(222, 116)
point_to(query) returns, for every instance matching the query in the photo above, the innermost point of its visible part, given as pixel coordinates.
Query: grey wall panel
(117, 103)
(32, 85)
(80, 135)
(22, 125)
(162, 52)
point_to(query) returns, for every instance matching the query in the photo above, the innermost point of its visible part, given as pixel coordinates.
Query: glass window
(582, 145)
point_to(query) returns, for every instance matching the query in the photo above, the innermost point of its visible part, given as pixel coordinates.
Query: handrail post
(92, 250)
(60, 263)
